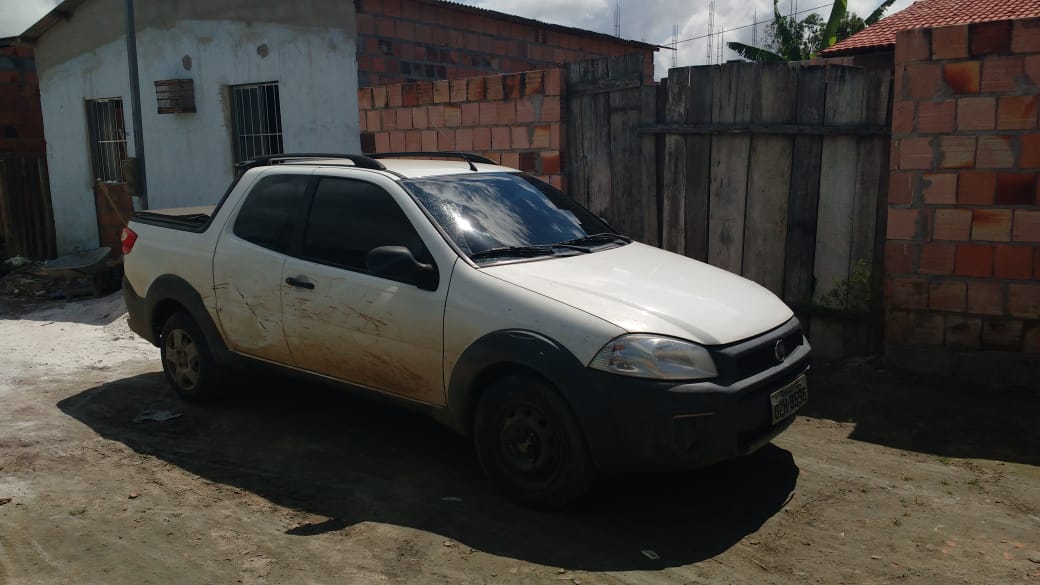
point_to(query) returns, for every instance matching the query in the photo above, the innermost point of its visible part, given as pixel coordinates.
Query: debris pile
(18, 278)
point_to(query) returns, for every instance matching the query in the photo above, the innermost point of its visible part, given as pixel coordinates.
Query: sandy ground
(112, 480)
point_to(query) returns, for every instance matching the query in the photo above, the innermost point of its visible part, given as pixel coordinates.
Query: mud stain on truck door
(248, 299)
(370, 331)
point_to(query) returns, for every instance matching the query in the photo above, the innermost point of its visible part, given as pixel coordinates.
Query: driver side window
(348, 219)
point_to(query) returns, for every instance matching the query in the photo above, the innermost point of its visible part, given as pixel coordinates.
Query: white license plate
(788, 399)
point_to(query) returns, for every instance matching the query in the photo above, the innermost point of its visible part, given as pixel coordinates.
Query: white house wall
(189, 157)
(66, 81)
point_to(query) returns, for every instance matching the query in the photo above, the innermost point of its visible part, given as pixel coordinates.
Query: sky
(642, 20)
(652, 20)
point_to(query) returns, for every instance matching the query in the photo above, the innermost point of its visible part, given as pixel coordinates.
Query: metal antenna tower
(722, 47)
(711, 30)
(754, 29)
(675, 46)
(617, 20)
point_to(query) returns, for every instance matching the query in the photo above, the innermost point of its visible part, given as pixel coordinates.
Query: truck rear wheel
(188, 363)
(529, 443)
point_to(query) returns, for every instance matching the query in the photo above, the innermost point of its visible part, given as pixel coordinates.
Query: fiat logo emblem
(780, 350)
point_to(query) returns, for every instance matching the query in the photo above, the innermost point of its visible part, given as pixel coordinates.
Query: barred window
(107, 138)
(256, 120)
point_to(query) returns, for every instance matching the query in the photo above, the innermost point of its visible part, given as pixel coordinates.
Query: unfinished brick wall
(963, 247)
(516, 119)
(21, 119)
(401, 41)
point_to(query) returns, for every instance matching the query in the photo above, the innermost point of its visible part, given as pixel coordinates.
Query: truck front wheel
(188, 363)
(529, 443)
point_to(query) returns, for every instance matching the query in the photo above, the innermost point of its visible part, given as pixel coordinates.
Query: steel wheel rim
(182, 359)
(529, 443)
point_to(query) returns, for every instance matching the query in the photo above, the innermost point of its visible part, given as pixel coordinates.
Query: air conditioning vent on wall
(175, 96)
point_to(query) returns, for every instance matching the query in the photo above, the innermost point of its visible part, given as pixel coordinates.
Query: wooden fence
(26, 216)
(775, 172)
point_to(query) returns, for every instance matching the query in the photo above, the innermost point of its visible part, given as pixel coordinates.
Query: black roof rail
(466, 156)
(359, 160)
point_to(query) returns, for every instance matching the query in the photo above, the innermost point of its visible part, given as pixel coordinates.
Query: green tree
(791, 39)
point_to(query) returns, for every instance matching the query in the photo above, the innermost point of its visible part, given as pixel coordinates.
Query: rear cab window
(270, 215)
(350, 218)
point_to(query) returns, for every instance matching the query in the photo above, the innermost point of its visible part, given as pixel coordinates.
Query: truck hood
(643, 289)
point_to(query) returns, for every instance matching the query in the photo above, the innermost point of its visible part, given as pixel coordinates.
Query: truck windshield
(504, 216)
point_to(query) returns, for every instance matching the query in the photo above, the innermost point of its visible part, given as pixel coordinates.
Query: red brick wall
(401, 41)
(515, 119)
(21, 120)
(963, 251)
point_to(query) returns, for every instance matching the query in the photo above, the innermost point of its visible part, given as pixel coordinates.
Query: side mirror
(398, 263)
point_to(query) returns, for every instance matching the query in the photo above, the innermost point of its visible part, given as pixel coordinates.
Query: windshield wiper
(577, 245)
(596, 240)
(513, 251)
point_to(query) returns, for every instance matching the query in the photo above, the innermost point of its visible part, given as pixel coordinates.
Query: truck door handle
(299, 283)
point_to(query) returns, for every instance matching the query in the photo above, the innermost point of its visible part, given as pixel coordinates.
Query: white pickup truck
(476, 293)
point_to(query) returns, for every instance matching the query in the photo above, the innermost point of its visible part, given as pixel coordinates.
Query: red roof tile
(929, 14)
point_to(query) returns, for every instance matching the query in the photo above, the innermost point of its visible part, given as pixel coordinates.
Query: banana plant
(789, 34)
(838, 11)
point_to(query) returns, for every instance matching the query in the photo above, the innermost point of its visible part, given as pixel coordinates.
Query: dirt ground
(111, 479)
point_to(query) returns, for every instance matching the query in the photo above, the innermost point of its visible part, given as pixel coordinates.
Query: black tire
(188, 362)
(529, 443)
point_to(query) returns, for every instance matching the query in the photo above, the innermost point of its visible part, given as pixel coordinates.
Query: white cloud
(18, 15)
(647, 20)
(652, 20)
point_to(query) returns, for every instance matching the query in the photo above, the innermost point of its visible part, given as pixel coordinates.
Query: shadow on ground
(350, 461)
(946, 418)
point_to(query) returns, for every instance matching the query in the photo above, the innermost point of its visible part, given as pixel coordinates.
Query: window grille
(107, 139)
(256, 120)
(175, 96)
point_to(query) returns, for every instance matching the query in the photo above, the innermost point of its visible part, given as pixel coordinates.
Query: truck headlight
(652, 356)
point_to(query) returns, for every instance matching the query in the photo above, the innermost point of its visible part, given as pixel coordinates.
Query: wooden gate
(26, 216)
(775, 172)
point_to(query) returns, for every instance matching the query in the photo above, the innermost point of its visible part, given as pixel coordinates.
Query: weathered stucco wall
(64, 85)
(308, 47)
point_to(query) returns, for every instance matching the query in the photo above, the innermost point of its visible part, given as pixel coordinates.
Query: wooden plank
(576, 186)
(4, 212)
(731, 103)
(662, 106)
(770, 129)
(769, 178)
(648, 168)
(25, 207)
(624, 146)
(599, 175)
(578, 168)
(826, 337)
(589, 174)
(871, 167)
(673, 202)
(864, 317)
(845, 104)
(804, 194)
(883, 110)
(703, 81)
(628, 81)
(50, 249)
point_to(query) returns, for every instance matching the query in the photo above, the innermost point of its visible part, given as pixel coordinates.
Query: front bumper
(632, 424)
